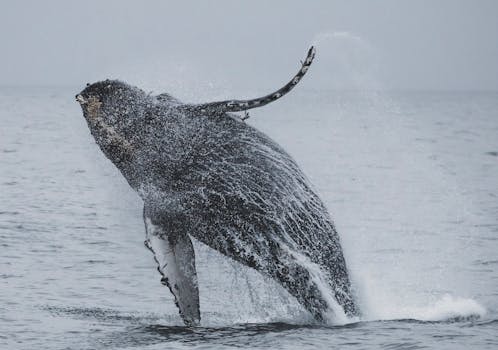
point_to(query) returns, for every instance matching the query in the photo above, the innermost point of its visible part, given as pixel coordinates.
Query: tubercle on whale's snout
(80, 99)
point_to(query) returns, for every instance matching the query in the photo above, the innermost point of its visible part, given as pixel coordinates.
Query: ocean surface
(410, 178)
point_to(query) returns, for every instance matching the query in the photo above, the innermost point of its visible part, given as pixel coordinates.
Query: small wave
(490, 323)
(97, 313)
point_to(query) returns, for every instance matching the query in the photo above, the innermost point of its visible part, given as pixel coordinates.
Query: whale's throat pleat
(113, 143)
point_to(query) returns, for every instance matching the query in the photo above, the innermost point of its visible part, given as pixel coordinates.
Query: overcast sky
(251, 44)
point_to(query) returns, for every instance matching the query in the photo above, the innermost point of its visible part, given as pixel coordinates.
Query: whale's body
(204, 173)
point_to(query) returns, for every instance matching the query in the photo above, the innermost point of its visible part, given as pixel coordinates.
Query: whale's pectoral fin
(174, 254)
(221, 107)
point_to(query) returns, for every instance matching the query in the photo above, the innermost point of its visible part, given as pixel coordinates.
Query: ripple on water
(414, 204)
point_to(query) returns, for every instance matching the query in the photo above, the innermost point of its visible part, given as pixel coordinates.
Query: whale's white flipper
(174, 254)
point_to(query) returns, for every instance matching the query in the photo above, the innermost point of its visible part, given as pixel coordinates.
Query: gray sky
(251, 44)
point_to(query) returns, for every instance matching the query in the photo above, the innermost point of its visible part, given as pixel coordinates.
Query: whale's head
(112, 110)
(111, 102)
(112, 107)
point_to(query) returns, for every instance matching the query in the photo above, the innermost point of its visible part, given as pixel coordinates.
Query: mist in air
(447, 45)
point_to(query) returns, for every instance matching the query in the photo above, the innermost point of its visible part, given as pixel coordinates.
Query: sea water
(410, 179)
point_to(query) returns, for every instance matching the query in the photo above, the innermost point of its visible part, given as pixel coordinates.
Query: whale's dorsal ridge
(221, 107)
(167, 98)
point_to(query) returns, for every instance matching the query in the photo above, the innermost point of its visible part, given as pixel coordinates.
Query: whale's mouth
(81, 100)
(91, 106)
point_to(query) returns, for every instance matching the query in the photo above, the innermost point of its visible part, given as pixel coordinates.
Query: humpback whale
(204, 173)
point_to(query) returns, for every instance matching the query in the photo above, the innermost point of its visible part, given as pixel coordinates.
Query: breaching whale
(203, 172)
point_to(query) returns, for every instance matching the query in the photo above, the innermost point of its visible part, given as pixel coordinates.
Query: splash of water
(406, 290)
(348, 61)
(448, 307)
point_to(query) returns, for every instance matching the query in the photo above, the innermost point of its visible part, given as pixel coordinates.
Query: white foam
(448, 307)
(337, 316)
